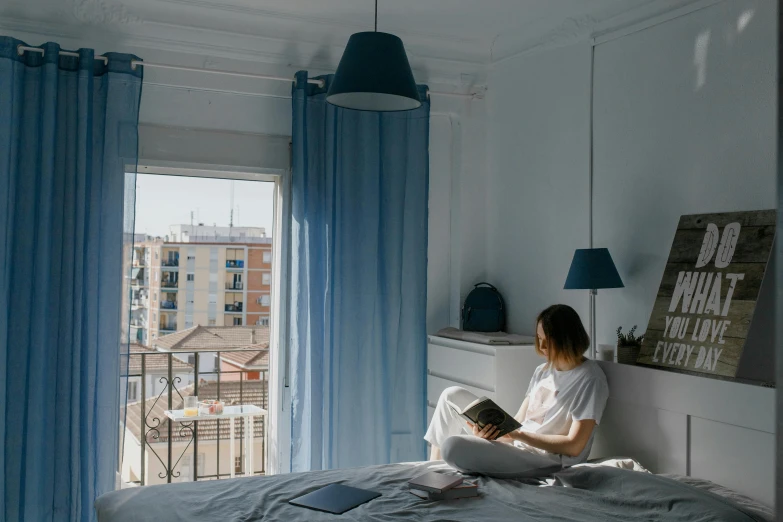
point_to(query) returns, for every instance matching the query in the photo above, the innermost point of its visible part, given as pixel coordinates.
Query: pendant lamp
(374, 74)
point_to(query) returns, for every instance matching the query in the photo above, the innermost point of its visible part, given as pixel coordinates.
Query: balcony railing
(236, 307)
(170, 262)
(235, 263)
(234, 286)
(168, 305)
(158, 451)
(169, 284)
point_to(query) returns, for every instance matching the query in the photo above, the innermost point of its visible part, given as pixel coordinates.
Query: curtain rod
(135, 63)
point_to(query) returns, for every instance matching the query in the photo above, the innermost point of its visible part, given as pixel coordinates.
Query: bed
(596, 492)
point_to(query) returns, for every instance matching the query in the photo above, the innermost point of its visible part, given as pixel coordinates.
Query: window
(222, 295)
(265, 300)
(237, 464)
(133, 390)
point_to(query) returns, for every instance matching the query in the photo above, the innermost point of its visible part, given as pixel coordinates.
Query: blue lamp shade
(591, 269)
(374, 75)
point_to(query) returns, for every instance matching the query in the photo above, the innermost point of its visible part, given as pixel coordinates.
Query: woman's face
(542, 340)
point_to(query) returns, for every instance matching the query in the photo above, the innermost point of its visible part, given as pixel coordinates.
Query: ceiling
(442, 37)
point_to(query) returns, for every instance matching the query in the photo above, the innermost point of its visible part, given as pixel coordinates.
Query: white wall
(538, 149)
(684, 124)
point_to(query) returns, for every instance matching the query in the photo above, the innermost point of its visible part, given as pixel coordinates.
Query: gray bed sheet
(581, 493)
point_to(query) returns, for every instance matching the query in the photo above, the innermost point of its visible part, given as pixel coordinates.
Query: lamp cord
(376, 16)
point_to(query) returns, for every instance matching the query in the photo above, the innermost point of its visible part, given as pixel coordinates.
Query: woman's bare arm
(520, 416)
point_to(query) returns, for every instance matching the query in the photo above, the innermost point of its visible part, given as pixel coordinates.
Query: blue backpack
(484, 310)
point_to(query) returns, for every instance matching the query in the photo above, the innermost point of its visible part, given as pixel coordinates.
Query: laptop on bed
(335, 498)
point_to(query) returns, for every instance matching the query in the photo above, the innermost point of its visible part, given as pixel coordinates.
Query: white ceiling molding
(588, 27)
(447, 40)
(99, 12)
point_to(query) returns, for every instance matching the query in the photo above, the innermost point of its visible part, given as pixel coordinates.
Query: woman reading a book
(563, 405)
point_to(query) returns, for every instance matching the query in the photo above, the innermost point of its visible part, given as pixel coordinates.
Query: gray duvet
(581, 493)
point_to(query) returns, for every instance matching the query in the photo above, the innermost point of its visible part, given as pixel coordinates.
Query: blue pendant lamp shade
(591, 269)
(374, 75)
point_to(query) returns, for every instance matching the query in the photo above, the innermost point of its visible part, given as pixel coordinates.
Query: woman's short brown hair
(566, 338)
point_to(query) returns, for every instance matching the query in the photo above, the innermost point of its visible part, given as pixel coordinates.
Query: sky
(168, 200)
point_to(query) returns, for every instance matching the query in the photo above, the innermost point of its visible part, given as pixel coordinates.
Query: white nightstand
(500, 372)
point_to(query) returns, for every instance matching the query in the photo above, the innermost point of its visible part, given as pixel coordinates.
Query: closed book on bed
(465, 490)
(434, 482)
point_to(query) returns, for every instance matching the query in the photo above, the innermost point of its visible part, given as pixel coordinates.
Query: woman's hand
(488, 432)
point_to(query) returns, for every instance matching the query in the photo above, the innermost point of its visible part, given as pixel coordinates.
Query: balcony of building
(234, 302)
(139, 257)
(168, 321)
(158, 451)
(235, 259)
(169, 259)
(234, 285)
(170, 303)
(137, 277)
(169, 280)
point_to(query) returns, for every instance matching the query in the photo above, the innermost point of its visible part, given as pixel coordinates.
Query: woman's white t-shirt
(556, 399)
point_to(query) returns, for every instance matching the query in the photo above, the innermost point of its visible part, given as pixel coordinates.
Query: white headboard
(673, 423)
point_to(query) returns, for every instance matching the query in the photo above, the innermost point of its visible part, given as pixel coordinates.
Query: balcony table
(243, 411)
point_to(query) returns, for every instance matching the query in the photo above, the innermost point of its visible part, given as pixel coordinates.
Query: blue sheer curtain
(358, 282)
(68, 135)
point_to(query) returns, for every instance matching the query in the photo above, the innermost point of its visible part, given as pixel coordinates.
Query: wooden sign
(708, 293)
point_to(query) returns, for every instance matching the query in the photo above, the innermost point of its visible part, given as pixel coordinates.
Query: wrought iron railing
(236, 307)
(235, 263)
(234, 286)
(169, 284)
(162, 440)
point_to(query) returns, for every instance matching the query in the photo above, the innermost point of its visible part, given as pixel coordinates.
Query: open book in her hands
(484, 411)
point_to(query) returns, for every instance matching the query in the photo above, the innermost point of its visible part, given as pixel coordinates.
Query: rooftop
(249, 360)
(153, 361)
(213, 338)
(232, 392)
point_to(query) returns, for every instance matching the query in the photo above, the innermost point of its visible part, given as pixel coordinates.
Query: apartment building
(200, 275)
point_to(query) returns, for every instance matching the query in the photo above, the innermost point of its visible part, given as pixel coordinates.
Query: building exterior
(214, 234)
(178, 285)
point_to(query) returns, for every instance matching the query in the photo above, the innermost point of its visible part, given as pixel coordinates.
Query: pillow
(746, 503)
(614, 462)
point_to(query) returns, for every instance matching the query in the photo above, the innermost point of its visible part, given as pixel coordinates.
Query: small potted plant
(628, 345)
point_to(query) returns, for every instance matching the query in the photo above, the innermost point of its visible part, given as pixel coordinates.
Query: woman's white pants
(470, 454)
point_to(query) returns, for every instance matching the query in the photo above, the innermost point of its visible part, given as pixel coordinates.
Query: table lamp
(591, 269)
